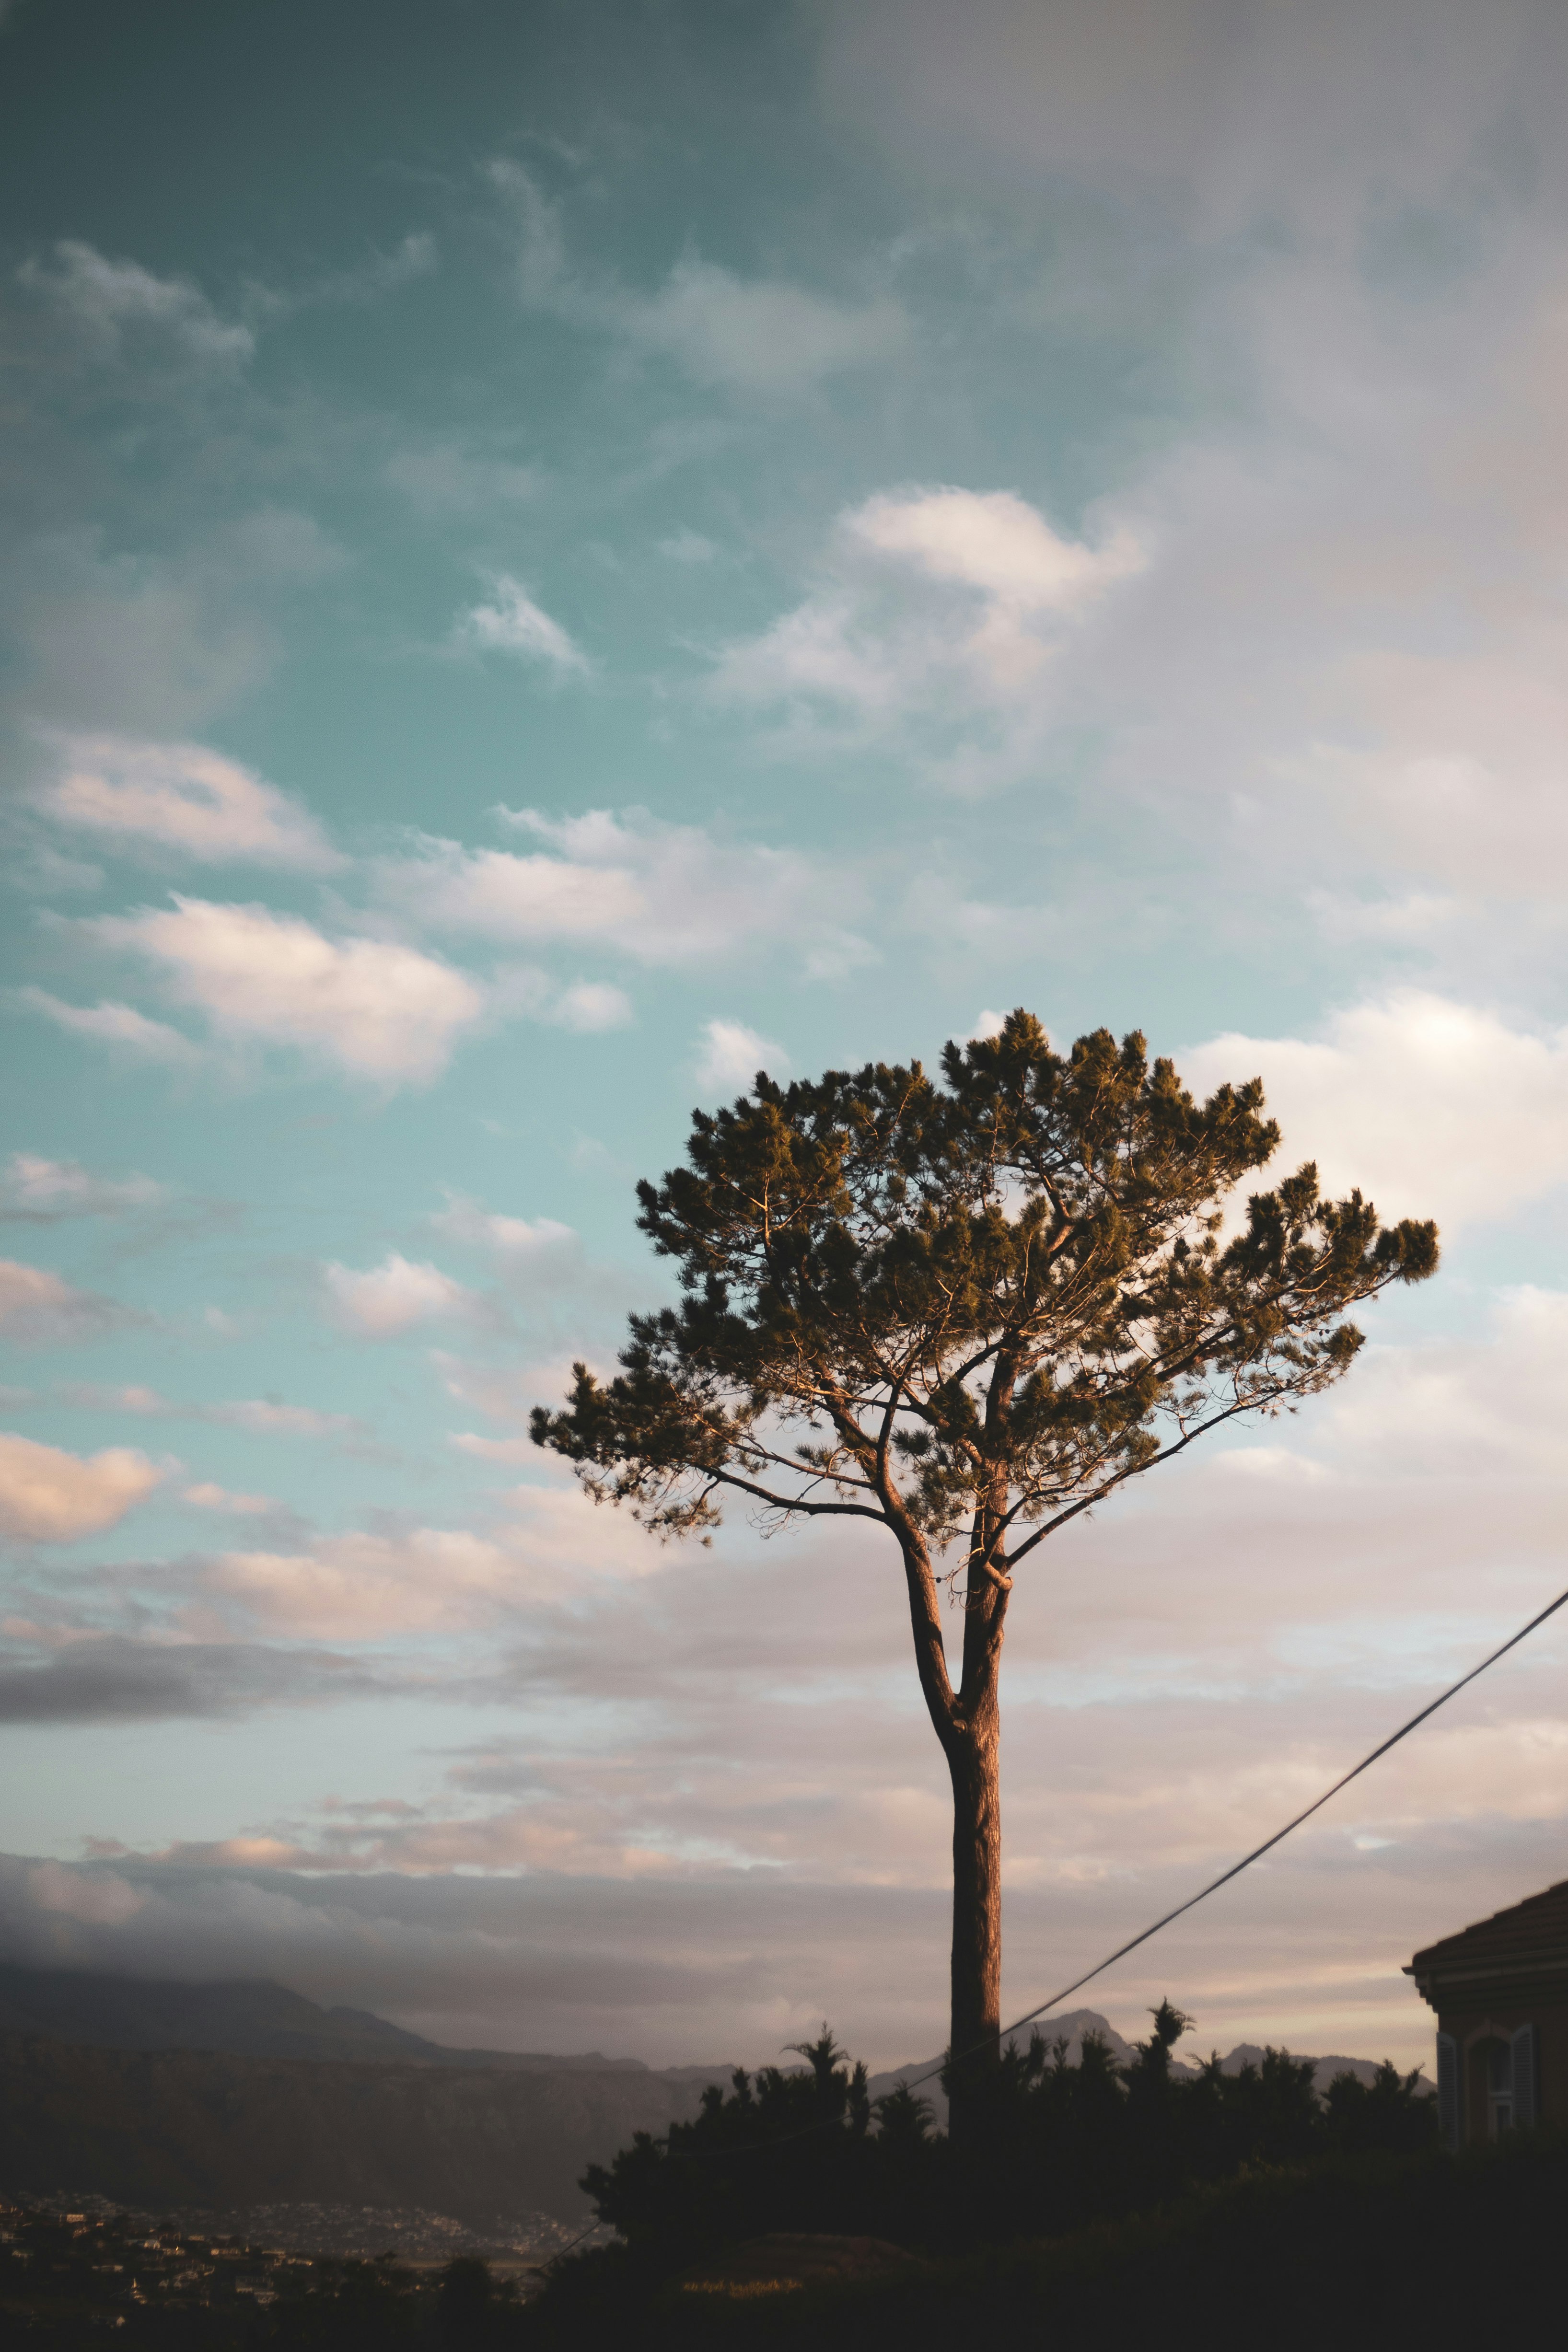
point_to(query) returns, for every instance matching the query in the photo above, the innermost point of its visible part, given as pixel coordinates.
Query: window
(1450, 2112)
(1523, 2078)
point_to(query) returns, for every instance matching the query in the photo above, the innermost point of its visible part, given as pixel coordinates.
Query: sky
(555, 557)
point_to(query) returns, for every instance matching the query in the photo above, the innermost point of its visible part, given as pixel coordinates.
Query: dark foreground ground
(1419, 2252)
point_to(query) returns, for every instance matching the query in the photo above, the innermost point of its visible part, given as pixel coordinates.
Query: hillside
(250, 2018)
(243, 2093)
(165, 2128)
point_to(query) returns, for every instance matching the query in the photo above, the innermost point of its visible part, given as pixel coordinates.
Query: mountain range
(1074, 2023)
(163, 2094)
(253, 2017)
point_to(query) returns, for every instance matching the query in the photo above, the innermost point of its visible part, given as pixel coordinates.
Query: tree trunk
(974, 1762)
(968, 1723)
(974, 1757)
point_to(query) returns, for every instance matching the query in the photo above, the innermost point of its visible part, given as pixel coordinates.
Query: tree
(968, 1312)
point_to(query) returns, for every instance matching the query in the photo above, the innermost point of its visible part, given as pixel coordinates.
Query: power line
(1257, 1852)
(913, 2082)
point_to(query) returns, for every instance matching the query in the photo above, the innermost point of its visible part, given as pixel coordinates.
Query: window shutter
(1449, 2115)
(1523, 2048)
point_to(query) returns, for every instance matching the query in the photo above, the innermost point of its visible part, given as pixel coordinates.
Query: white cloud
(949, 607)
(362, 1587)
(262, 1416)
(687, 546)
(667, 895)
(996, 543)
(47, 1189)
(1434, 1109)
(206, 1496)
(495, 1449)
(181, 796)
(590, 1005)
(151, 645)
(93, 1901)
(758, 335)
(1495, 1403)
(393, 1297)
(109, 297)
(513, 624)
(730, 1054)
(47, 1496)
(42, 869)
(379, 1010)
(501, 896)
(443, 479)
(750, 335)
(131, 1396)
(119, 1026)
(417, 256)
(520, 1241)
(270, 1417)
(38, 1306)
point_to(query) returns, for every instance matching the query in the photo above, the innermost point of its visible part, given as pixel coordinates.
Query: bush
(1063, 2145)
(1383, 2252)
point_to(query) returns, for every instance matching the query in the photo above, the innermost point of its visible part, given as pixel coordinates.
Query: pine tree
(970, 1311)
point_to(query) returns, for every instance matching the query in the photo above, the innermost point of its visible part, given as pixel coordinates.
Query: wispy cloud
(940, 610)
(109, 300)
(206, 1495)
(750, 335)
(120, 1027)
(591, 1006)
(730, 1054)
(667, 895)
(537, 1243)
(41, 1308)
(415, 255)
(384, 1013)
(445, 478)
(511, 623)
(43, 1190)
(183, 797)
(385, 1300)
(261, 1416)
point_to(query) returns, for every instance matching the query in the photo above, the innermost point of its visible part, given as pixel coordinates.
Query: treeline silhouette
(809, 2149)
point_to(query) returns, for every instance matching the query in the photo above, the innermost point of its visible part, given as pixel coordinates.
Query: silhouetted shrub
(1369, 2253)
(1061, 2146)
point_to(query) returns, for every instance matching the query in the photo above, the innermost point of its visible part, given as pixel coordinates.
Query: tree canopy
(970, 1310)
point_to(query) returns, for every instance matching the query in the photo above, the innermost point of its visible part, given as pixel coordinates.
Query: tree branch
(1137, 1469)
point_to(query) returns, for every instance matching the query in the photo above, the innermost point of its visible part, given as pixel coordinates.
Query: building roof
(1531, 1933)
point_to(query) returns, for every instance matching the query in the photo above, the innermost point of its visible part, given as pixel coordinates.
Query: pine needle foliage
(970, 1310)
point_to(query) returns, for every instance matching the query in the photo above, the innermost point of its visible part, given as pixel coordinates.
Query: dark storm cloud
(113, 1680)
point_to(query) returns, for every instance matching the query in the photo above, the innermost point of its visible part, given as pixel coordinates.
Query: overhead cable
(1258, 1852)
